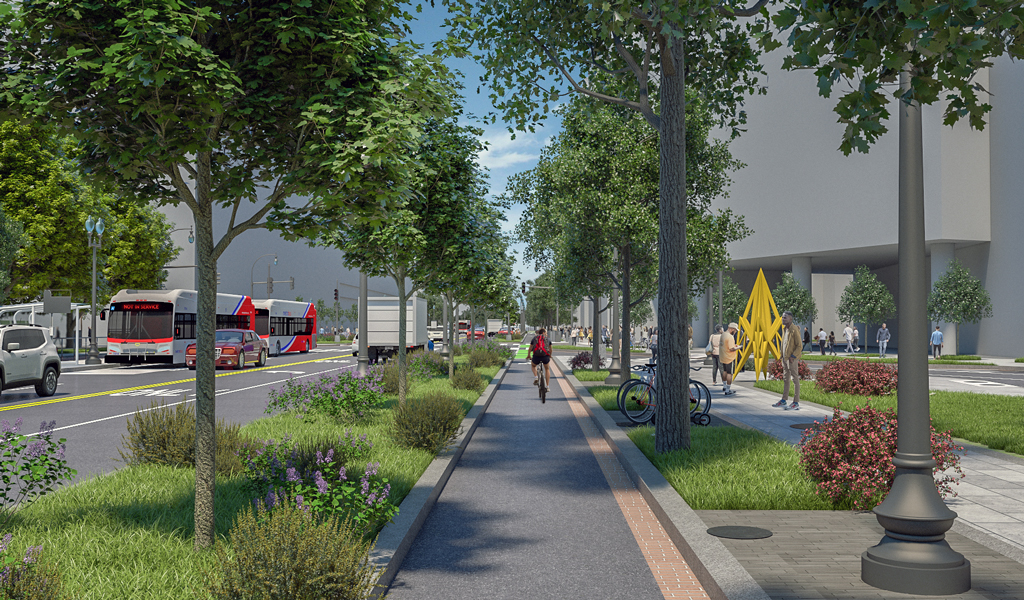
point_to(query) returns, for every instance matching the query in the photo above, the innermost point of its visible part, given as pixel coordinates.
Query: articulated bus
(155, 326)
(286, 325)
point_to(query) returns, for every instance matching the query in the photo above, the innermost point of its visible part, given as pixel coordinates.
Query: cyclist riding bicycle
(540, 352)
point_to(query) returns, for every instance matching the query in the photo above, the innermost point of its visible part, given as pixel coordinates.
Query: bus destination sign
(139, 306)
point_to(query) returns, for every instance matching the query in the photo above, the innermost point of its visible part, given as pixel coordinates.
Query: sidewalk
(990, 497)
(539, 507)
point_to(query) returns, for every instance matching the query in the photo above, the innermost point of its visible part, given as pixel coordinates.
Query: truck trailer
(382, 327)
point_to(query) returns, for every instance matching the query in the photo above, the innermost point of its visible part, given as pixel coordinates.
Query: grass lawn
(128, 534)
(588, 375)
(589, 348)
(987, 419)
(961, 357)
(1019, 360)
(858, 356)
(728, 468)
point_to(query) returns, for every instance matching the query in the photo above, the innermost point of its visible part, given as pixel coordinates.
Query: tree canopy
(866, 299)
(790, 295)
(958, 297)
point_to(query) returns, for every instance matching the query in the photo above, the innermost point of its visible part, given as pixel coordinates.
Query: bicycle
(542, 384)
(636, 398)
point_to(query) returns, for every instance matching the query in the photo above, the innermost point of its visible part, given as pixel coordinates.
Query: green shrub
(429, 422)
(165, 435)
(457, 349)
(388, 372)
(426, 364)
(466, 378)
(347, 449)
(480, 357)
(289, 553)
(25, 578)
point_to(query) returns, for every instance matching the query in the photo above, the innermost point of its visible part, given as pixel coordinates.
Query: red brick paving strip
(674, 577)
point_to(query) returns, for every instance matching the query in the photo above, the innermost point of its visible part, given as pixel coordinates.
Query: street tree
(616, 52)
(208, 105)
(12, 238)
(601, 175)
(416, 239)
(958, 297)
(865, 300)
(41, 187)
(790, 295)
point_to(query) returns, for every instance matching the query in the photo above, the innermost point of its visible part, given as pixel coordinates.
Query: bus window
(184, 326)
(262, 321)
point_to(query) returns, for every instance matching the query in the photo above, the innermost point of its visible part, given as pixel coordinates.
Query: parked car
(234, 348)
(28, 357)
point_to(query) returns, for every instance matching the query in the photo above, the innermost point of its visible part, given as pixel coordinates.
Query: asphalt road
(92, 407)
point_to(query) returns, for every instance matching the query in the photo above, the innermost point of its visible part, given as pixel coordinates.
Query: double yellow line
(164, 383)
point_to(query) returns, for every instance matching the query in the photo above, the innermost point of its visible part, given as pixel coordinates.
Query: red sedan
(234, 348)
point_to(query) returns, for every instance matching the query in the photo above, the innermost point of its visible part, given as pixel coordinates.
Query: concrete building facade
(820, 214)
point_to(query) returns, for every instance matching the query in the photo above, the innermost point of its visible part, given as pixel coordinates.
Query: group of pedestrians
(723, 356)
(581, 334)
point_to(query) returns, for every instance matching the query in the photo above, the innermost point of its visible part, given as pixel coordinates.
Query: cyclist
(540, 352)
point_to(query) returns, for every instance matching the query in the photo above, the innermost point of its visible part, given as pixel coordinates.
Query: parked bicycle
(636, 397)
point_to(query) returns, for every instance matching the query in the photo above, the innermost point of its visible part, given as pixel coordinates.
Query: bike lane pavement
(539, 507)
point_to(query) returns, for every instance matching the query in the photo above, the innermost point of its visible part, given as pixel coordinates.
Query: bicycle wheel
(700, 397)
(638, 402)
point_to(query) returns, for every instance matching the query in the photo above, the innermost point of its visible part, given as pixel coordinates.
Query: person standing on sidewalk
(832, 342)
(790, 361)
(848, 335)
(856, 339)
(807, 339)
(936, 342)
(727, 355)
(716, 365)
(654, 346)
(822, 340)
(882, 337)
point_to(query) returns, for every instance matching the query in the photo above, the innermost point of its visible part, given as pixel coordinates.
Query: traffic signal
(524, 288)
(270, 285)
(335, 294)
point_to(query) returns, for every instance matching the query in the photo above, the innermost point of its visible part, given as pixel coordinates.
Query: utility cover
(739, 532)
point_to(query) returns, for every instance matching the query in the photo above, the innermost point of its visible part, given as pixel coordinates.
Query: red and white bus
(287, 326)
(156, 325)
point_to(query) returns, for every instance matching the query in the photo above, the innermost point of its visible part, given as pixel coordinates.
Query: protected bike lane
(538, 506)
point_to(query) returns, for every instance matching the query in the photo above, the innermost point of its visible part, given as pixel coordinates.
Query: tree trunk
(402, 326)
(452, 335)
(624, 345)
(206, 327)
(672, 426)
(595, 363)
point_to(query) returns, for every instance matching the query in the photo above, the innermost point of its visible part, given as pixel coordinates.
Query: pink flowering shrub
(857, 377)
(850, 458)
(775, 370)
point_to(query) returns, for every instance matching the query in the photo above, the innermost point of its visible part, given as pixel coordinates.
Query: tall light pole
(90, 225)
(363, 360)
(252, 283)
(913, 556)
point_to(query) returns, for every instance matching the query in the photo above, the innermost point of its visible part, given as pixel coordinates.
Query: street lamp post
(252, 283)
(90, 225)
(913, 556)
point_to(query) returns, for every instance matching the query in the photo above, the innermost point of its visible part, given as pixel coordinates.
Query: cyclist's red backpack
(539, 346)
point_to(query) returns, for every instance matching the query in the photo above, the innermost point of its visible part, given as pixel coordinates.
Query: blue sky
(504, 157)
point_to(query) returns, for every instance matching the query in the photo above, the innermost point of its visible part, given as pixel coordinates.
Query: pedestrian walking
(848, 336)
(856, 339)
(654, 346)
(822, 340)
(807, 340)
(574, 334)
(936, 343)
(832, 342)
(882, 337)
(716, 365)
(727, 355)
(790, 362)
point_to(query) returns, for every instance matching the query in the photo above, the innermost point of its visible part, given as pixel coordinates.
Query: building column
(802, 275)
(942, 255)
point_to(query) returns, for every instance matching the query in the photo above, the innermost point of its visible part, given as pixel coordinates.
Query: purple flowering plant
(29, 467)
(331, 490)
(13, 568)
(345, 396)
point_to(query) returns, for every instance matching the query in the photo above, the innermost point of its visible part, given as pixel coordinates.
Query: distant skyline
(504, 156)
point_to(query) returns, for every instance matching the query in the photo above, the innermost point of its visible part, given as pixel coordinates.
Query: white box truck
(382, 326)
(494, 326)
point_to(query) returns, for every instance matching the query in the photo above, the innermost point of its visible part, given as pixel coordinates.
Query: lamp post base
(362, 364)
(614, 372)
(94, 356)
(931, 568)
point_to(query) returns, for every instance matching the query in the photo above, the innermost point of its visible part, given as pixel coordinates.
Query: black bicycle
(636, 397)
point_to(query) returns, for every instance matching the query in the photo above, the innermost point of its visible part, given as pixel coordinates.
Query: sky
(504, 156)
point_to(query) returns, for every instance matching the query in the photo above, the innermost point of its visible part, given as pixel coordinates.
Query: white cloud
(503, 152)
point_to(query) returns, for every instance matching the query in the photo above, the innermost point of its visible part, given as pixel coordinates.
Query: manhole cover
(804, 425)
(739, 532)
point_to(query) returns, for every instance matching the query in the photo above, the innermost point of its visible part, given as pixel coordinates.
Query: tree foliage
(866, 45)
(866, 299)
(790, 295)
(12, 238)
(958, 297)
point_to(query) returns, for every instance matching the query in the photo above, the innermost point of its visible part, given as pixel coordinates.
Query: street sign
(56, 304)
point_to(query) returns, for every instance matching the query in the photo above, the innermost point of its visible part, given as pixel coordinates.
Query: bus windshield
(230, 337)
(140, 324)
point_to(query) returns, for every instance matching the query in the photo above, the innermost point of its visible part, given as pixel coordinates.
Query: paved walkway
(539, 507)
(990, 497)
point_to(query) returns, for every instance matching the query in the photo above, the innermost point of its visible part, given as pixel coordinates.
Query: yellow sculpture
(759, 328)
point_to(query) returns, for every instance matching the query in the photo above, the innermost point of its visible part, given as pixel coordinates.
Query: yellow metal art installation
(759, 328)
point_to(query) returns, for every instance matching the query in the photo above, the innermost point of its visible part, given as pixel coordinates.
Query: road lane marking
(141, 410)
(153, 385)
(981, 383)
(290, 372)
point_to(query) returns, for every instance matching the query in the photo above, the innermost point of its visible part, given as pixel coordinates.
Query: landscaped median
(129, 534)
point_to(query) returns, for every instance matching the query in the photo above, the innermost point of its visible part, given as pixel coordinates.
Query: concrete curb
(397, 537)
(716, 568)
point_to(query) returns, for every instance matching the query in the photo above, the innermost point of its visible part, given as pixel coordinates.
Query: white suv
(28, 357)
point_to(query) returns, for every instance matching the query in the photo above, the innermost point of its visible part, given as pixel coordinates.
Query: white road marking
(289, 372)
(153, 392)
(981, 383)
(224, 393)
